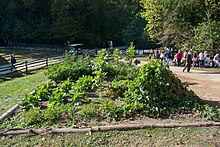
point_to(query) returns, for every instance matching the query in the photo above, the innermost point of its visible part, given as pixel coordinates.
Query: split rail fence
(27, 66)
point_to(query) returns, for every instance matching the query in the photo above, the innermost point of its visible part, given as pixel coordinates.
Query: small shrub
(70, 69)
(54, 113)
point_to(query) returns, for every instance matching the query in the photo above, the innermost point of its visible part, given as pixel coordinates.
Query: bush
(155, 91)
(70, 69)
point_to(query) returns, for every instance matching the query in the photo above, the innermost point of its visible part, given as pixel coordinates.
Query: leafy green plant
(129, 55)
(78, 90)
(30, 101)
(32, 117)
(70, 68)
(42, 93)
(99, 64)
(58, 97)
(211, 113)
(54, 112)
(111, 109)
(116, 89)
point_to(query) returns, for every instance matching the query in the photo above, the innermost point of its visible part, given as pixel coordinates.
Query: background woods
(178, 23)
(55, 21)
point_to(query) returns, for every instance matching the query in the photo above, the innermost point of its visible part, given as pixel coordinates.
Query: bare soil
(206, 84)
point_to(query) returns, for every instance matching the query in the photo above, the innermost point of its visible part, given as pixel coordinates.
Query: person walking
(166, 54)
(13, 61)
(188, 61)
(179, 56)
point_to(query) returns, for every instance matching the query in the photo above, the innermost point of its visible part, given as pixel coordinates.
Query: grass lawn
(25, 54)
(12, 91)
(205, 137)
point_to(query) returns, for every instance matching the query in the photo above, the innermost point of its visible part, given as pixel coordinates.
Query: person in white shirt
(201, 59)
(216, 60)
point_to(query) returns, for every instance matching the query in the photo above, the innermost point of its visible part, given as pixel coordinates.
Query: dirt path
(205, 84)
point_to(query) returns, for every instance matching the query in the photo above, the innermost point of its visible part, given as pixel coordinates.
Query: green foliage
(116, 56)
(54, 112)
(155, 92)
(207, 35)
(56, 21)
(151, 90)
(90, 111)
(99, 64)
(130, 55)
(172, 22)
(78, 90)
(32, 117)
(116, 89)
(42, 93)
(60, 94)
(30, 101)
(211, 113)
(70, 69)
(111, 109)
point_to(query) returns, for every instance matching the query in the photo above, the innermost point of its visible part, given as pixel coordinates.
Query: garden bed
(109, 90)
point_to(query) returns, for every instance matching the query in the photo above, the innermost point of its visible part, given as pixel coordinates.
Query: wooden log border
(90, 130)
(120, 127)
(10, 111)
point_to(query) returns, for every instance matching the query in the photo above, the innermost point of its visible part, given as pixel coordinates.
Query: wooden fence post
(26, 66)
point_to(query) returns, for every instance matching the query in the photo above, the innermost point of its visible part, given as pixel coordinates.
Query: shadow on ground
(16, 74)
(208, 72)
(3, 61)
(10, 76)
(216, 104)
(188, 83)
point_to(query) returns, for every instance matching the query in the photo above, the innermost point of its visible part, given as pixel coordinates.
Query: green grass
(12, 91)
(147, 137)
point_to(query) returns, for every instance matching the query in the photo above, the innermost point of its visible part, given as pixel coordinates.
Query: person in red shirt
(179, 56)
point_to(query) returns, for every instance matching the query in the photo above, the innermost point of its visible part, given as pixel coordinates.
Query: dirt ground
(204, 83)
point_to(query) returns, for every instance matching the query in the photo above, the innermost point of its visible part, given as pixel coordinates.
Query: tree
(207, 35)
(171, 22)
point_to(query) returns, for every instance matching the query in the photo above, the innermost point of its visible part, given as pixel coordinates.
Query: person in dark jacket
(13, 61)
(188, 61)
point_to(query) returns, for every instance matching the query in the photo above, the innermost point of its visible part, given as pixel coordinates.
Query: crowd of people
(188, 58)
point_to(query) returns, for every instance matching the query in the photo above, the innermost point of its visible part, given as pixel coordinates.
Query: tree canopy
(187, 23)
(55, 21)
(179, 23)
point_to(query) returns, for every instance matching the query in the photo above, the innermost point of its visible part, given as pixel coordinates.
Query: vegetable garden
(108, 87)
